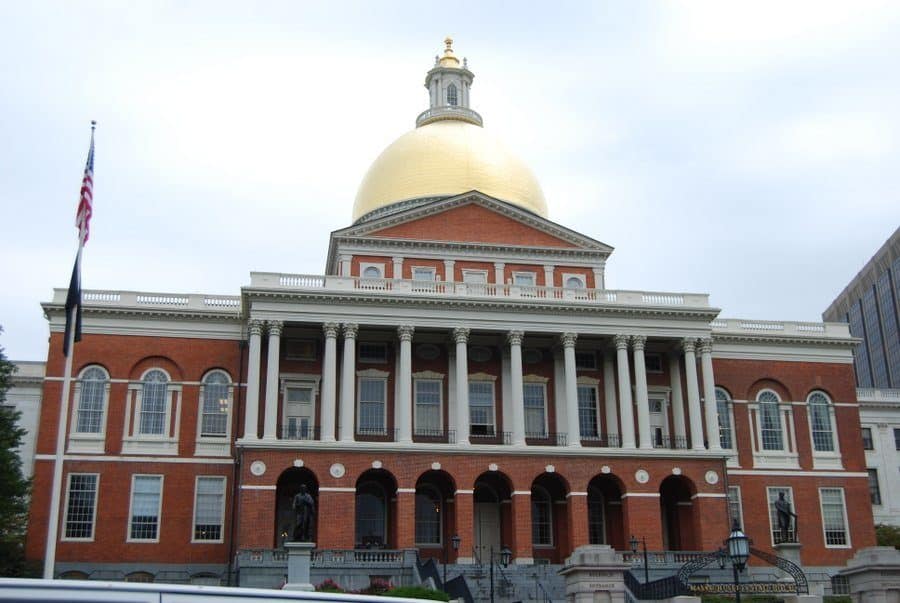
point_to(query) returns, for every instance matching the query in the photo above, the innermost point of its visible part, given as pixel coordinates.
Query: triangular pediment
(473, 218)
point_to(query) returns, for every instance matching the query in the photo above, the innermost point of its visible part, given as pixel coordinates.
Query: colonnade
(618, 388)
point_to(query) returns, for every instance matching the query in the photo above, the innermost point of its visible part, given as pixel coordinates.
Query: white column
(677, 399)
(574, 435)
(609, 400)
(709, 395)
(498, 272)
(329, 382)
(404, 403)
(693, 394)
(348, 382)
(346, 263)
(599, 279)
(625, 410)
(251, 414)
(449, 275)
(461, 337)
(514, 339)
(270, 422)
(548, 276)
(640, 388)
(398, 267)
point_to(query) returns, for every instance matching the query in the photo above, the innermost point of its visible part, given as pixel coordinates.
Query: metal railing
(377, 432)
(312, 432)
(492, 437)
(664, 588)
(546, 438)
(447, 436)
(671, 442)
(603, 440)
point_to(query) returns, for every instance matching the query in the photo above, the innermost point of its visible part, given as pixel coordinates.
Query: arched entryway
(677, 513)
(435, 514)
(376, 498)
(288, 485)
(491, 521)
(605, 518)
(549, 518)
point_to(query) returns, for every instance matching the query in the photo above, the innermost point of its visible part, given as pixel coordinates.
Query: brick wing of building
(460, 368)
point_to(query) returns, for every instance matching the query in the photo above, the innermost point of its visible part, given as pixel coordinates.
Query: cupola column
(404, 403)
(677, 399)
(398, 267)
(709, 395)
(625, 410)
(271, 419)
(693, 393)
(346, 264)
(348, 382)
(329, 382)
(599, 279)
(514, 339)
(461, 337)
(251, 414)
(498, 272)
(548, 276)
(449, 275)
(574, 436)
(640, 389)
(609, 400)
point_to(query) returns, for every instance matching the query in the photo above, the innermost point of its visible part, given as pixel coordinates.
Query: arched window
(596, 525)
(92, 392)
(820, 422)
(428, 515)
(371, 272)
(451, 95)
(574, 282)
(541, 517)
(770, 420)
(371, 516)
(723, 408)
(139, 577)
(215, 400)
(154, 389)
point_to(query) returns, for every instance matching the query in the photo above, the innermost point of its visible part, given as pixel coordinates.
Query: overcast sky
(748, 150)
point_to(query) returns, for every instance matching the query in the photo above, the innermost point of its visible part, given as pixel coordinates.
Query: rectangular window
(146, 496)
(298, 413)
(428, 406)
(372, 407)
(653, 363)
(874, 488)
(588, 422)
(773, 514)
(481, 408)
(154, 399)
(81, 506)
(868, 443)
(373, 352)
(423, 274)
(535, 410)
(209, 508)
(523, 279)
(834, 517)
(770, 420)
(735, 512)
(299, 349)
(586, 360)
(896, 439)
(91, 393)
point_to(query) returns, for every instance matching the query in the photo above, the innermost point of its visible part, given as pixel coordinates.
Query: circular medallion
(492, 467)
(376, 465)
(676, 470)
(712, 477)
(337, 471)
(257, 468)
(605, 469)
(550, 469)
(641, 476)
(428, 351)
(298, 462)
(435, 466)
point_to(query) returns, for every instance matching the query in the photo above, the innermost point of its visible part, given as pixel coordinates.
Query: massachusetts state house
(461, 369)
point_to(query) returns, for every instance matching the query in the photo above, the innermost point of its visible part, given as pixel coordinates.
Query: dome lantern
(448, 86)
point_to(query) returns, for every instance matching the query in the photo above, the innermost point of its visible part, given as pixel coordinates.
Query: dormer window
(452, 98)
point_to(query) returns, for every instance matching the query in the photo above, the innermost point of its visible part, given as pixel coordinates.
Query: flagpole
(62, 430)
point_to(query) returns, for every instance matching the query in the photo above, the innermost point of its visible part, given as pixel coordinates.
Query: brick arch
(605, 521)
(83, 367)
(767, 383)
(676, 506)
(286, 487)
(376, 492)
(148, 362)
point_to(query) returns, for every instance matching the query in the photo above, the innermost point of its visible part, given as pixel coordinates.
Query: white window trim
(518, 273)
(374, 375)
(128, 537)
(730, 406)
(594, 366)
(740, 502)
(135, 442)
(594, 385)
(430, 269)
(552, 531)
(468, 271)
(787, 457)
(872, 431)
(484, 378)
(661, 366)
(224, 481)
(300, 381)
(432, 378)
(542, 381)
(570, 275)
(772, 527)
(364, 265)
(849, 544)
(440, 499)
(63, 536)
(662, 394)
(208, 445)
(84, 441)
(824, 459)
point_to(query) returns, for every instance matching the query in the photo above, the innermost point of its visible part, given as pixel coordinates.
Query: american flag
(85, 204)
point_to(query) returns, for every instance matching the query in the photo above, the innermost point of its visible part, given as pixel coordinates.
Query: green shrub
(837, 599)
(417, 592)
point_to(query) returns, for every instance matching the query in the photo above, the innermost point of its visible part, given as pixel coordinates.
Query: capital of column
(350, 330)
(622, 341)
(706, 346)
(567, 340)
(638, 341)
(330, 329)
(397, 259)
(499, 265)
(254, 327)
(346, 257)
(461, 335)
(405, 332)
(689, 345)
(515, 337)
(275, 327)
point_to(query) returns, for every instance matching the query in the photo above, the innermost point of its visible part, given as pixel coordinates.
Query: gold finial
(449, 59)
(449, 42)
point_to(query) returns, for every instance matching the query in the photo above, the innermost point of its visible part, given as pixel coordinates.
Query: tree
(887, 535)
(14, 488)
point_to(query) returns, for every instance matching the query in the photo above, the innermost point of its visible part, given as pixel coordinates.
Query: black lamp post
(454, 541)
(634, 547)
(738, 549)
(505, 556)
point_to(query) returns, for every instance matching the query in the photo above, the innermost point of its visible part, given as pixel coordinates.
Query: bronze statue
(783, 510)
(305, 508)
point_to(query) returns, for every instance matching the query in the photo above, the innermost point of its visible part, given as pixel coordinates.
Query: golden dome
(446, 158)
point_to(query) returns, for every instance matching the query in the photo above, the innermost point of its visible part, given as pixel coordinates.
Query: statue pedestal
(299, 558)
(791, 552)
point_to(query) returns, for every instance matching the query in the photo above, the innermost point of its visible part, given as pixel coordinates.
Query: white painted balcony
(136, 299)
(871, 394)
(780, 328)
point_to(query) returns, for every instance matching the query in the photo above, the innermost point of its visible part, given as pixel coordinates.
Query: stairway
(514, 583)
